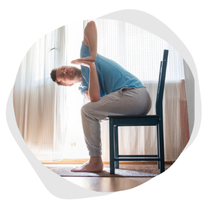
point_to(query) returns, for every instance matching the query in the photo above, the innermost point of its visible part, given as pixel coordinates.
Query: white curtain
(41, 107)
(48, 116)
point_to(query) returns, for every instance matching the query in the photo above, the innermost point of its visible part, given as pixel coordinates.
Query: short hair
(53, 76)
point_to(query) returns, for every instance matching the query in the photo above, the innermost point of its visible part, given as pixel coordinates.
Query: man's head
(66, 75)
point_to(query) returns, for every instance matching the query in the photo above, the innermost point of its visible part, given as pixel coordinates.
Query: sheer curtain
(140, 52)
(46, 113)
(36, 109)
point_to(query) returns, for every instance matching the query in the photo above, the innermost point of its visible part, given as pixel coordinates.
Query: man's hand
(83, 61)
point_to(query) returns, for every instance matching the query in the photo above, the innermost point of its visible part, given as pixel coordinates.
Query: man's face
(67, 75)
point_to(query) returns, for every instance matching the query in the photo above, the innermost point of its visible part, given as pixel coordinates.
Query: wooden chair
(147, 120)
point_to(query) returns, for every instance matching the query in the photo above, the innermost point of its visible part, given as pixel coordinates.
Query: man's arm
(93, 92)
(90, 40)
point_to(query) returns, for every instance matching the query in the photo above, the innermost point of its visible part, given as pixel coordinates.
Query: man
(110, 88)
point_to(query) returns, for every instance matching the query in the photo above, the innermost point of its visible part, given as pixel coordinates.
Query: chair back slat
(161, 83)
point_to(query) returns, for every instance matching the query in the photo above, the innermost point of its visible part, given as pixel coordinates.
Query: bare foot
(95, 164)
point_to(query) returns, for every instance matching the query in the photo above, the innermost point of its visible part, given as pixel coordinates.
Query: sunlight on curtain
(47, 115)
(73, 98)
(35, 105)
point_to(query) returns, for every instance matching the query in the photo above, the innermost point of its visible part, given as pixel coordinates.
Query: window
(137, 50)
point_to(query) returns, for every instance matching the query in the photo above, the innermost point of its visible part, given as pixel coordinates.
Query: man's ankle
(94, 159)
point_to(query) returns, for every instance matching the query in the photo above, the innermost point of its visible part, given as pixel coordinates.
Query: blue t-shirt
(112, 77)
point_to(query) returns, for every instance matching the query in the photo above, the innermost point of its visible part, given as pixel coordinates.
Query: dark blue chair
(147, 120)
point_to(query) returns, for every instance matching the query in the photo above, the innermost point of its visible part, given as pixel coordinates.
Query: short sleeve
(82, 89)
(84, 51)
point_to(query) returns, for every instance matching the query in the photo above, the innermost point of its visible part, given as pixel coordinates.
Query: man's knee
(86, 108)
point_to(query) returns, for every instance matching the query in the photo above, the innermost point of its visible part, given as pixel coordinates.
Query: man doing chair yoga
(111, 89)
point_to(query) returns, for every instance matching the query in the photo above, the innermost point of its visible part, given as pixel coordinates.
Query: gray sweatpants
(127, 101)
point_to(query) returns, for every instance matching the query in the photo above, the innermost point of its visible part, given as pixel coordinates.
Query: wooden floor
(107, 184)
(110, 184)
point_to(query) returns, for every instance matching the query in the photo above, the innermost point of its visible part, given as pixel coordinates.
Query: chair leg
(111, 146)
(162, 163)
(158, 145)
(116, 145)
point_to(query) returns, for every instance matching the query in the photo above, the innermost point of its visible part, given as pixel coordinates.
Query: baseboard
(81, 161)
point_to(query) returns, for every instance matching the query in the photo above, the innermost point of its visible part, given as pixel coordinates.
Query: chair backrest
(161, 83)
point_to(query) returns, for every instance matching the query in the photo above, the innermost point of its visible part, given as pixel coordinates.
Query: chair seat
(145, 120)
(133, 116)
